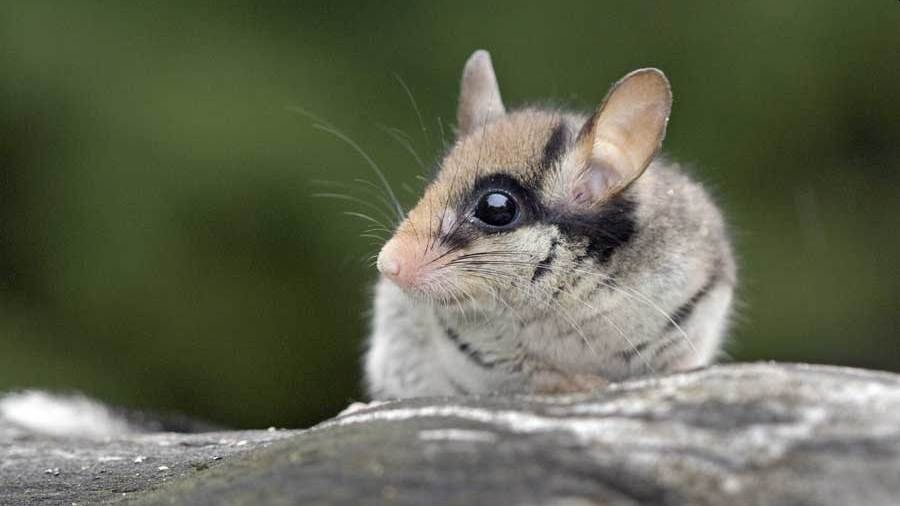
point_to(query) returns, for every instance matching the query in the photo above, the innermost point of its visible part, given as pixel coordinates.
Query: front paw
(554, 382)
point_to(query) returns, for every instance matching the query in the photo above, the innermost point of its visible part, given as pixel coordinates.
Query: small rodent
(553, 252)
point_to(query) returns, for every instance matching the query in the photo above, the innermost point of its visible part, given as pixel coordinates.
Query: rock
(735, 434)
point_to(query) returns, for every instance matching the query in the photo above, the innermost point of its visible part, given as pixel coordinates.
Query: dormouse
(553, 252)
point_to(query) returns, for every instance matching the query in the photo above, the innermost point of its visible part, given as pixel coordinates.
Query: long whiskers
(351, 198)
(324, 126)
(481, 262)
(517, 282)
(629, 292)
(415, 106)
(404, 141)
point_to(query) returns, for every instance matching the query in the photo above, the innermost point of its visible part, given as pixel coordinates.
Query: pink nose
(398, 267)
(390, 267)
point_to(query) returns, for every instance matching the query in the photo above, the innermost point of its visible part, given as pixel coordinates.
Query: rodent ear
(619, 141)
(479, 95)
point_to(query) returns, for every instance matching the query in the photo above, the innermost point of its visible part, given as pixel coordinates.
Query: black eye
(496, 209)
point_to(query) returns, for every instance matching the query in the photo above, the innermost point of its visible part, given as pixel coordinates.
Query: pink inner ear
(595, 183)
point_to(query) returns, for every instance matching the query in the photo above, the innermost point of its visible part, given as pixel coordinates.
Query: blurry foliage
(160, 246)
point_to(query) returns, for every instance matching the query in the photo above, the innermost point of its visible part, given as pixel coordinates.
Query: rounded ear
(620, 140)
(479, 95)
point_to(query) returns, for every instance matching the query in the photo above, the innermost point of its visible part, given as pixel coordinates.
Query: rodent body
(552, 253)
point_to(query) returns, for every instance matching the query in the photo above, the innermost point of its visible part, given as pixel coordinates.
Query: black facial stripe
(556, 145)
(612, 226)
(464, 233)
(684, 312)
(543, 267)
(605, 230)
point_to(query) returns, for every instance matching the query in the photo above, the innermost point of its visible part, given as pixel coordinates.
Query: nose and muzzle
(401, 263)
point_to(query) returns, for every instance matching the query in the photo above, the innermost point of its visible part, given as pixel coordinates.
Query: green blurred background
(160, 246)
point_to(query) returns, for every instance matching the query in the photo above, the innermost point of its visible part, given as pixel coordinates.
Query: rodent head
(518, 188)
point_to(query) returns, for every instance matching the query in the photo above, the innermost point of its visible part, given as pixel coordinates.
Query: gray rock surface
(736, 434)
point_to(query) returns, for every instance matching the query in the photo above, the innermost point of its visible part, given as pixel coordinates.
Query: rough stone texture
(734, 434)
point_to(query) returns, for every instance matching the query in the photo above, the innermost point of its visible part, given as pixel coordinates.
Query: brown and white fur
(615, 265)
